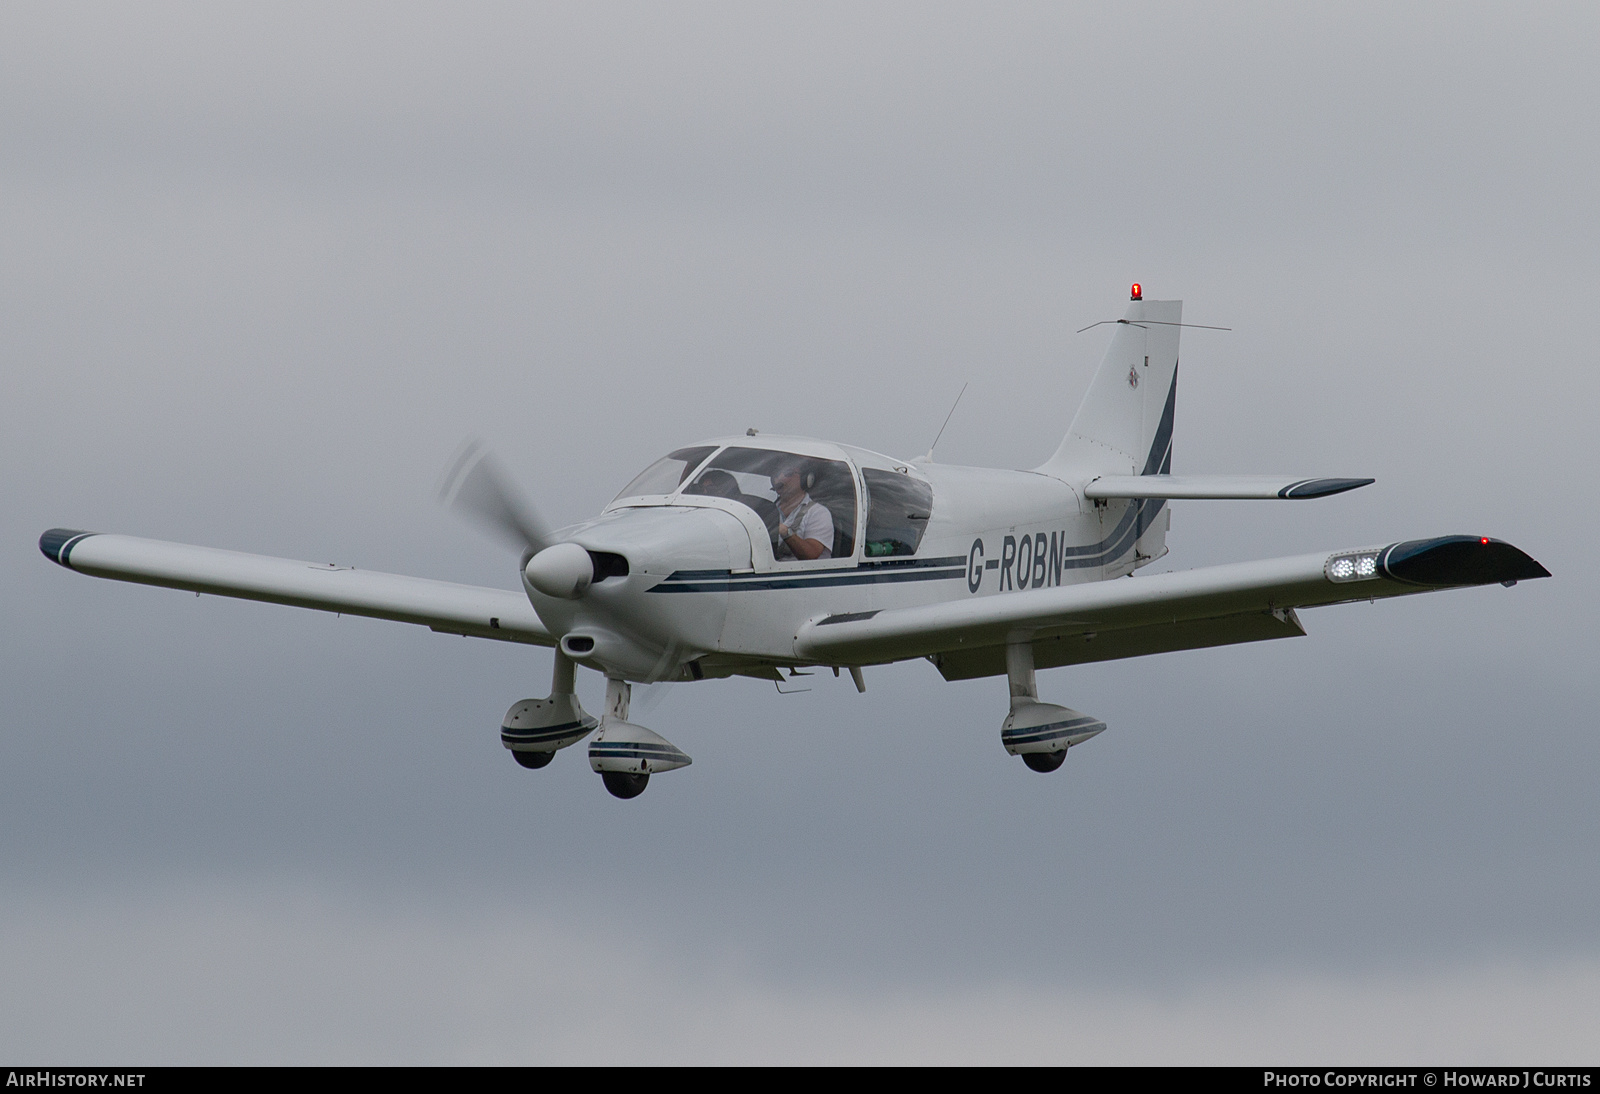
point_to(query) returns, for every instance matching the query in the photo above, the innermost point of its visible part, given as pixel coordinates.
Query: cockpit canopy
(819, 505)
(821, 502)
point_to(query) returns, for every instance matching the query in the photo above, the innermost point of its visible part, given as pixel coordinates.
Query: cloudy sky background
(262, 271)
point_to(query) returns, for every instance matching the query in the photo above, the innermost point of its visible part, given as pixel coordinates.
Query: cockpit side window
(813, 499)
(898, 508)
(665, 475)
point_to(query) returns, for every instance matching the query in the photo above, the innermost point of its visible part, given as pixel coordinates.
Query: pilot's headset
(808, 472)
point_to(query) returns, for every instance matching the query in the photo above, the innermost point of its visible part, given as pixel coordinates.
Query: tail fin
(1124, 425)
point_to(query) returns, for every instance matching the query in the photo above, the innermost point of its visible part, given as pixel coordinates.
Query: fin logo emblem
(1133, 377)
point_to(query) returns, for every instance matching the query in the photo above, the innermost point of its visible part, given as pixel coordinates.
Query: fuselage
(709, 589)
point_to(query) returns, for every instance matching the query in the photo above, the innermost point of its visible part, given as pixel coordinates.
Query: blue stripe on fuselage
(871, 573)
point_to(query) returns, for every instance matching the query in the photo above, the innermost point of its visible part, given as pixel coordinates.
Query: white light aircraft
(754, 555)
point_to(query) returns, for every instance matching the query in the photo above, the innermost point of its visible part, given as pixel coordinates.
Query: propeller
(477, 488)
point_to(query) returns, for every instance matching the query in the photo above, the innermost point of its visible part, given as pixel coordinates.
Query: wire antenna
(1144, 322)
(929, 457)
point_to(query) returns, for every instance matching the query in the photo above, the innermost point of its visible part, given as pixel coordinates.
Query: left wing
(1240, 602)
(441, 605)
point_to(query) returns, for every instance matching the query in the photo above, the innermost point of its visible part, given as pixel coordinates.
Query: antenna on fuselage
(929, 457)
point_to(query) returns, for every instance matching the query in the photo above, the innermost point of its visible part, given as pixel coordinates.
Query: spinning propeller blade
(478, 488)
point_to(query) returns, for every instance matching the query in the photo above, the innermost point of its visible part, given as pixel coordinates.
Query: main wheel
(532, 759)
(623, 785)
(1044, 761)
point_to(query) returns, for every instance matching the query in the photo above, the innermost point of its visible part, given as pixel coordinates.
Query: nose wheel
(623, 784)
(626, 755)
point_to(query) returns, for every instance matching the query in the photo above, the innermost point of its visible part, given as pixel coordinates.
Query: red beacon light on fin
(1137, 292)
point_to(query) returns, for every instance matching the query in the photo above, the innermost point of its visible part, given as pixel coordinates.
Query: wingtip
(57, 544)
(1321, 488)
(1460, 560)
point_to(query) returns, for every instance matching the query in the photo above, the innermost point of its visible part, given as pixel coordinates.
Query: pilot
(805, 528)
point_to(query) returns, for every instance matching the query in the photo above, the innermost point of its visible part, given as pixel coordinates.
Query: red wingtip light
(1484, 540)
(1137, 292)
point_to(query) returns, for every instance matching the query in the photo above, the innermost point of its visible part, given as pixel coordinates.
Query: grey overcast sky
(263, 268)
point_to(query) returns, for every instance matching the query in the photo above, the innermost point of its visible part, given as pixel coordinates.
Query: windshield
(665, 475)
(807, 504)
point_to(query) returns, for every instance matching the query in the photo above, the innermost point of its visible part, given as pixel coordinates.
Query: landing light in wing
(1353, 567)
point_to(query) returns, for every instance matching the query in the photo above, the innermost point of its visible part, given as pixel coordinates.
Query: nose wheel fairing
(625, 755)
(634, 750)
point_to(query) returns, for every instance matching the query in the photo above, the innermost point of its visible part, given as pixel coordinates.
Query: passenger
(805, 528)
(719, 484)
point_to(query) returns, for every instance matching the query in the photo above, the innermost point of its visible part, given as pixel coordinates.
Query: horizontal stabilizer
(441, 605)
(1217, 486)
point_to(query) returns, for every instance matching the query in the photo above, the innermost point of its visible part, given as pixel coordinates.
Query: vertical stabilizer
(1124, 425)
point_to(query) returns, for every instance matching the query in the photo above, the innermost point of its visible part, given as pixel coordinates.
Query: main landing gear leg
(1039, 732)
(534, 729)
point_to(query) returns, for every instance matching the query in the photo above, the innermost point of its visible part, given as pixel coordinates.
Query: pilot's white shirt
(815, 522)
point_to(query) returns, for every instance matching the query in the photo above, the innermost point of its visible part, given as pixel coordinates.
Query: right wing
(440, 605)
(1129, 617)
